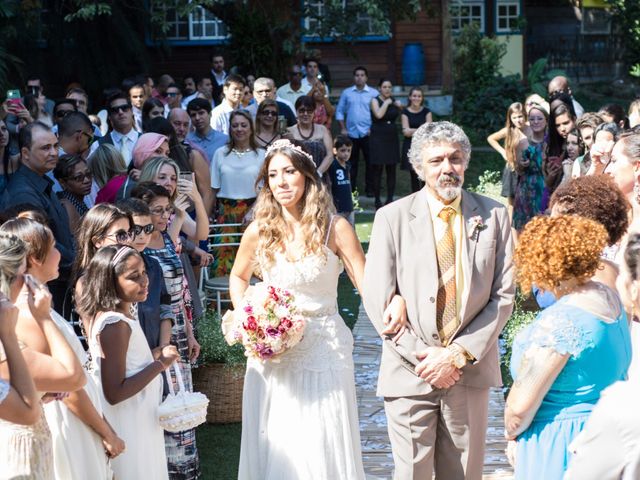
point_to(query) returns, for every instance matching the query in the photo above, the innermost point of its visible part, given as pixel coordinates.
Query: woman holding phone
(27, 451)
(83, 441)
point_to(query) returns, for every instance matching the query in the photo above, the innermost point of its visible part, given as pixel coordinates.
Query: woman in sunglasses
(267, 128)
(75, 179)
(182, 454)
(315, 138)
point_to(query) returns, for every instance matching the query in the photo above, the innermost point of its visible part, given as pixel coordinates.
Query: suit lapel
(469, 210)
(425, 252)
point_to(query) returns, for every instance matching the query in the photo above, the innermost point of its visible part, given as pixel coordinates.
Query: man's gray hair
(265, 82)
(433, 134)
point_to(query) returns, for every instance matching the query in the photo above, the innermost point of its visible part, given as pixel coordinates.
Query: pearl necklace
(241, 153)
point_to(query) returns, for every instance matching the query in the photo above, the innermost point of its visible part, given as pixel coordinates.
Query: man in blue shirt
(30, 185)
(205, 137)
(355, 105)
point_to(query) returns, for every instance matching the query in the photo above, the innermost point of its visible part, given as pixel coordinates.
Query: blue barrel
(413, 64)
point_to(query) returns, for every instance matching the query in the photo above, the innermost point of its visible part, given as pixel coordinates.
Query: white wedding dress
(300, 415)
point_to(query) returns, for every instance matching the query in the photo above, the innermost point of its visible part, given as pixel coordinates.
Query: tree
(627, 17)
(100, 42)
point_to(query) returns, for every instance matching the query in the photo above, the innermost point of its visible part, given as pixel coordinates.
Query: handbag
(181, 410)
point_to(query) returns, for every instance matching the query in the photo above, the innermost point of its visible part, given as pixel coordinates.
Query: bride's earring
(636, 191)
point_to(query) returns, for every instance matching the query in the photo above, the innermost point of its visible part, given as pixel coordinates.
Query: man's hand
(437, 367)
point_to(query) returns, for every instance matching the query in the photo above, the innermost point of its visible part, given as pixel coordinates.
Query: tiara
(285, 143)
(122, 251)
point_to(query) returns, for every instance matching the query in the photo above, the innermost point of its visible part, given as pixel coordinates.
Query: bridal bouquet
(267, 325)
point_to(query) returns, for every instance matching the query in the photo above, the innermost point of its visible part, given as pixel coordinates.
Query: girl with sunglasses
(103, 225)
(182, 454)
(155, 313)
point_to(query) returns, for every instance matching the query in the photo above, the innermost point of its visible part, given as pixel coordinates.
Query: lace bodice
(313, 280)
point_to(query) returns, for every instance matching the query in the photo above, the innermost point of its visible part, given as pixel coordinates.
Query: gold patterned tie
(446, 315)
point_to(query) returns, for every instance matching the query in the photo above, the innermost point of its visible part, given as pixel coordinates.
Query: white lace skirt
(300, 416)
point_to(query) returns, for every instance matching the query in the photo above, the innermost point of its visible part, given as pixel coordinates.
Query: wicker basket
(222, 384)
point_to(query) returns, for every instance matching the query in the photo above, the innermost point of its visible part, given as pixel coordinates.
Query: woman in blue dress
(570, 353)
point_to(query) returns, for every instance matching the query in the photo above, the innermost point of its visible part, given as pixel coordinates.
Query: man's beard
(448, 186)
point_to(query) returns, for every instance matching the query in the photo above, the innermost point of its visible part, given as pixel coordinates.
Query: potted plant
(220, 371)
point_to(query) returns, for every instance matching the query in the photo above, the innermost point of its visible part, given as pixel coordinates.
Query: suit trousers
(445, 429)
(361, 145)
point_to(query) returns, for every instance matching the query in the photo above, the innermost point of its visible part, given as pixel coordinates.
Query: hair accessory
(122, 251)
(284, 143)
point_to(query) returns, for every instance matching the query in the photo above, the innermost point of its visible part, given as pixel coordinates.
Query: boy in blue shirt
(339, 173)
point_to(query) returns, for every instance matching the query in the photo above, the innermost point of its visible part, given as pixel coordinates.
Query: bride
(299, 416)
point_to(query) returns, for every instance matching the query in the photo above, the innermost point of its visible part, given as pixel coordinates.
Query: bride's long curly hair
(316, 206)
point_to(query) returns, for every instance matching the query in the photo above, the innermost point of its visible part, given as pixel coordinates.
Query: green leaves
(213, 347)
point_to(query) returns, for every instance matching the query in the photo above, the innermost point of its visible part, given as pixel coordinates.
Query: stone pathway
(376, 451)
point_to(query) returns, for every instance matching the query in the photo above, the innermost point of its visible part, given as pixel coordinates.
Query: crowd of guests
(107, 215)
(572, 186)
(112, 213)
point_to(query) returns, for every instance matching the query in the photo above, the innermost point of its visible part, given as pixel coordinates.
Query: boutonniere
(476, 225)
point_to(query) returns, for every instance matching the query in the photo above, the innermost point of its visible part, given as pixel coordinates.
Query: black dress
(415, 120)
(384, 146)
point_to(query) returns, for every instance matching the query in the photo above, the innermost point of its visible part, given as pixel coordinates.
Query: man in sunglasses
(75, 134)
(121, 134)
(294, 89)
(174, 96)
(61, 109)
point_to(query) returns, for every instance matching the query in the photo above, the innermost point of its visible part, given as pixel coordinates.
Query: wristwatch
(458, 358)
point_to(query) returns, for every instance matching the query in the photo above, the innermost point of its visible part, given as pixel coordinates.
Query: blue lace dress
(600, 353)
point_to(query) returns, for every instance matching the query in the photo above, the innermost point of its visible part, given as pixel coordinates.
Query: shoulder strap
(326, 240)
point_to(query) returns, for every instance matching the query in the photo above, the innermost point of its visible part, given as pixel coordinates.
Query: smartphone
(14, 98)
(31, 282)
(282, 123)
(186, 175)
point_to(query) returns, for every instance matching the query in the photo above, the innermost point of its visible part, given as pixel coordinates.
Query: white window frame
(458, 21)
(318, 7)
(200, 16)
(508, 17)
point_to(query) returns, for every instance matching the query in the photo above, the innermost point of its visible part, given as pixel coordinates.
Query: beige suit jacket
(402, 259)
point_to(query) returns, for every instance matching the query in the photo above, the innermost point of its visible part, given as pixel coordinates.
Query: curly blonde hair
(316, 206)
(555, 249)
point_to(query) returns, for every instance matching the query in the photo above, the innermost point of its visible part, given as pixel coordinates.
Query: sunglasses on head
(147, 229)
(120, 108)
(159, 211)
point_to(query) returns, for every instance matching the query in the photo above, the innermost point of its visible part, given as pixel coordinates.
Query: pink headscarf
(146, 147)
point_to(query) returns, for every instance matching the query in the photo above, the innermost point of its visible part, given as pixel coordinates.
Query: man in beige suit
(448, 252)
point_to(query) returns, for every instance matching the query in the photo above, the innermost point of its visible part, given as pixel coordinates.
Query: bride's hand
(395, 317)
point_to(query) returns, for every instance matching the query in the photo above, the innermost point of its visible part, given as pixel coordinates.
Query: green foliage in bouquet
(213, 347)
